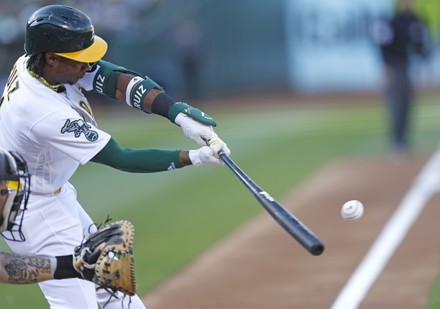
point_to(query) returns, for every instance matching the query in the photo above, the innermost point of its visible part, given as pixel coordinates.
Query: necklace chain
(57, 87)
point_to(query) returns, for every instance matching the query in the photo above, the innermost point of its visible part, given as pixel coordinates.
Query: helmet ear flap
(14, 173)
(8, 172)
(9, 212)
(8, 167)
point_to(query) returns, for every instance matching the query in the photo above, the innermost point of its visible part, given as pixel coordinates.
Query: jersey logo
(78, 127)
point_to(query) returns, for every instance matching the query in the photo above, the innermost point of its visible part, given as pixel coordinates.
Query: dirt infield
(260, 266)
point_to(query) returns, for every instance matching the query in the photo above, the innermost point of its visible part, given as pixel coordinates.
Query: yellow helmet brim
(91, 54)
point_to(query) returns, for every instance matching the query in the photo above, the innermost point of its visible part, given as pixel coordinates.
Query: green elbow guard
(106, 79)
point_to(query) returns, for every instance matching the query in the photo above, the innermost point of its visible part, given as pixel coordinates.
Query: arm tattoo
(24, 270)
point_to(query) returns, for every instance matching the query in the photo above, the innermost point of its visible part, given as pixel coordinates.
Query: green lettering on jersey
(11, 85)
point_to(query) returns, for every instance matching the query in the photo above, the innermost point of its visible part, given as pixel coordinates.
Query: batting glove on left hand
(202, 134)
(195, 130)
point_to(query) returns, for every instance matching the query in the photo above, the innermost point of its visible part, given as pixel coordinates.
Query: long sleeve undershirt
(137, 160)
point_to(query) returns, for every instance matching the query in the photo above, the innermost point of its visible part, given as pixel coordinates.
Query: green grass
(179, 214)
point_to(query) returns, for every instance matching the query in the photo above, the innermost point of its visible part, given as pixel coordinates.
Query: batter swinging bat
(289, 222)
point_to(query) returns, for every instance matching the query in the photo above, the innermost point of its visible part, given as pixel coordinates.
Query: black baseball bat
(288, 221)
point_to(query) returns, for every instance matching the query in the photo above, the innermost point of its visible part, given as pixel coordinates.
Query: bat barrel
(297, 230)
(284, 218)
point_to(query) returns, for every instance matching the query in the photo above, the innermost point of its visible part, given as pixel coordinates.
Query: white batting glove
(204, 155)
(195, 130)
(217, 145)
(202, 134)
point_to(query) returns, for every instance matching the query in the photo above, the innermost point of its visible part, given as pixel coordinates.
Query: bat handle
(220, 153)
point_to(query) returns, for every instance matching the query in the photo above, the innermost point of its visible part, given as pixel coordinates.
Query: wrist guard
(65, 269)
(162, 104)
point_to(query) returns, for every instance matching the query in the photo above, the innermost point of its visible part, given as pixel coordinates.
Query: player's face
(64, 70)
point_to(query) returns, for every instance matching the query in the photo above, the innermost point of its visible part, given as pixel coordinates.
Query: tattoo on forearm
(23, 270)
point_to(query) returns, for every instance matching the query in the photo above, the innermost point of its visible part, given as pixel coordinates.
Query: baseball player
(90, 259)
(45, 116)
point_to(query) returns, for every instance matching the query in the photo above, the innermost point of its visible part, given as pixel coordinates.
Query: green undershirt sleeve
(137, 160)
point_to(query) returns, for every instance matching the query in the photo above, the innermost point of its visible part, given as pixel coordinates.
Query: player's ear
(51, 58)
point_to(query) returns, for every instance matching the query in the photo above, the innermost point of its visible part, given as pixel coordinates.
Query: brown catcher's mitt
(106, 257)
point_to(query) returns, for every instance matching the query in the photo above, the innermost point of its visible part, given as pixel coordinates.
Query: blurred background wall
(331, 44)
(201, 48)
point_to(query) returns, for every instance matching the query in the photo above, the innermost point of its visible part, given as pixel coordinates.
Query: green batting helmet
(65, 31)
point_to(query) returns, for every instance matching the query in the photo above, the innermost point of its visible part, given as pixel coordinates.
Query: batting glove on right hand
(204, 155)
(217, 146)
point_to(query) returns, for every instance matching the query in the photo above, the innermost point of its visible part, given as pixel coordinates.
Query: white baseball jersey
(54, 132)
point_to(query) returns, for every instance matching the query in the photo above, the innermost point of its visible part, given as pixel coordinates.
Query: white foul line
(425, 185)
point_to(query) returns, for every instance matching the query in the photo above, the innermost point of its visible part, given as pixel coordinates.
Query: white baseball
(352, 210)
